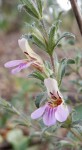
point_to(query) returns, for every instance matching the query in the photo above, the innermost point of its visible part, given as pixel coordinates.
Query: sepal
(40, 98)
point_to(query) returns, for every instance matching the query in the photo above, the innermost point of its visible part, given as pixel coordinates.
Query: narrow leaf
(31, 8)
(40, 98)
(35, 39)
(37, 75)
(39, 5)
(70, 61)
(67, 34)
(53, 36)
(61, 70)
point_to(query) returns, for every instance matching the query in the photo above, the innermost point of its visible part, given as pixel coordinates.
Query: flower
(32, 59)
(52, 88)
(55, 109)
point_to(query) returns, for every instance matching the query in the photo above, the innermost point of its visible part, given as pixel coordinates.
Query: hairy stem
(52, 62)
(44, 28)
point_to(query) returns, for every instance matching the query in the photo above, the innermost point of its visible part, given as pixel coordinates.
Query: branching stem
(44, 28)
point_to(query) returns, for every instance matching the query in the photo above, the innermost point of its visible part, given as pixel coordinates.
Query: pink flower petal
(49, 117)
(21, 66)
(13, 63)
(38, 113)
(62, 113)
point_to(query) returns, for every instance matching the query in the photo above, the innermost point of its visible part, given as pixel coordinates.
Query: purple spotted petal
(21, 66)
(13, 63)
(38, 113)
(49, 116)
(62, 113)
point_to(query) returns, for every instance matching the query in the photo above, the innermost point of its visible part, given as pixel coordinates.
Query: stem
(77, 14)
(44, 28)
(52, 62)
(76, 134)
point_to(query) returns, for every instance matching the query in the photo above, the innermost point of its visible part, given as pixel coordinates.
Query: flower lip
(32, 59)
(18, 65)
(51, 114)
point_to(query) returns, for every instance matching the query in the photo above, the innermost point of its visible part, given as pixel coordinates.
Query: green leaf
(29, 11)
(41, 97)
(49, 72)
(37, 75)
(78, 61)
(36, 40)
(31, 8)
(59, 15)
(61, 70)
(10, 108)
(66, 34)
(36, 36)
(70, 61)
(39, 5)
(52, 36)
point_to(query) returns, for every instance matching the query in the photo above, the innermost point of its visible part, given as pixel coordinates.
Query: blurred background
(17, 88)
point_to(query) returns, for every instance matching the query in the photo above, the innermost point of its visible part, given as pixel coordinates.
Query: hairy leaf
(39, 42)
(39, 5)
(66, 34)
(31, 8)
(61, 70)
(41, 97)
(52, 36)
(37, 75)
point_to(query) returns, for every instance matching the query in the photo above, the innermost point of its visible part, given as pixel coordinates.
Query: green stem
(52, 62)
(76, 134)
(44, 28)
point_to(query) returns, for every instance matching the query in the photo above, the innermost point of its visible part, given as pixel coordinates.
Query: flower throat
(54, 101)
